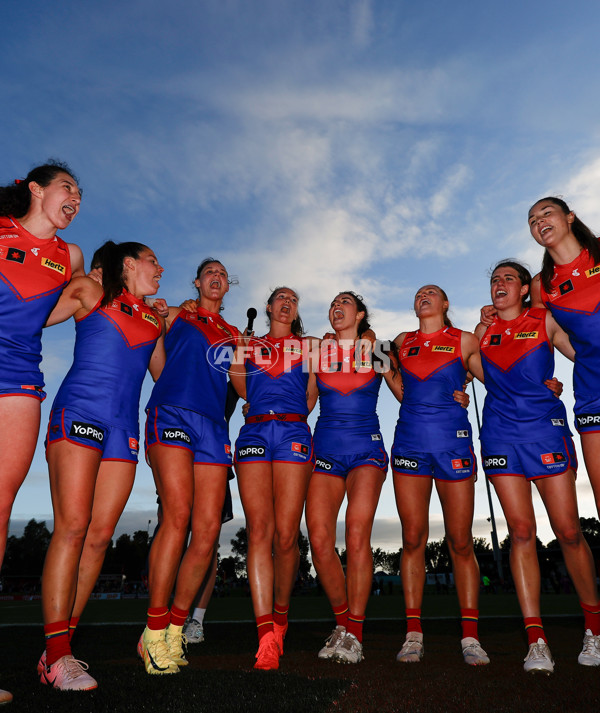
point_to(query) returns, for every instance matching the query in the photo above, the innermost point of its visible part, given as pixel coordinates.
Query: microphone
(251, 314)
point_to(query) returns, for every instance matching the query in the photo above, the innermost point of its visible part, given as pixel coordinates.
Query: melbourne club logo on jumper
(250, 452)
(495, 340)
(87, 431)
(495, 462)
(300, 448)
(126, 309)
(565, 287)
(552, 458)
(403, 463)
(175, 434)
(13, 255)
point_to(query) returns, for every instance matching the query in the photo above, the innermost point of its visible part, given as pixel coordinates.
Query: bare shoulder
(536, 291)
(400, 339)
(469, 342)
(76, 257)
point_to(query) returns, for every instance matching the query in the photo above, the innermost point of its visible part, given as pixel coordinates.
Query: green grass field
(220, 676)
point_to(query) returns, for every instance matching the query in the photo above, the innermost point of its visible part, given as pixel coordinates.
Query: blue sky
(373, 145)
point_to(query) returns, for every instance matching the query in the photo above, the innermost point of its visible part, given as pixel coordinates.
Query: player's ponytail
(111, 257)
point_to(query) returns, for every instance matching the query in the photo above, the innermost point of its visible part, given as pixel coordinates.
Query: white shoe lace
(411, 646)
(75, 668)
(334, 638)
(591, 645)
(538, 651)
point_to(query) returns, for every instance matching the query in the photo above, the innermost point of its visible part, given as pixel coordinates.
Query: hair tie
(18, 180)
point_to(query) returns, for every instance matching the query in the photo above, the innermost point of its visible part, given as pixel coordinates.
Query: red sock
(341, 615)
(591, 612)
(534, 629)
(57, 641)
(355, 625)
(264, 625)
(158, 618)
(413, 621)
(280, 614)
(469, 618)
(178, 616)
(74, 620)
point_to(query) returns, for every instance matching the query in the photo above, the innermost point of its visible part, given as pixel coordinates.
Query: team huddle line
(201, 365)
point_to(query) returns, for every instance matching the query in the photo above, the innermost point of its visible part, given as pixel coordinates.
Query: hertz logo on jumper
(46, 262)
(526, 335)
(440, 348)
(150, 318)
(592, 271)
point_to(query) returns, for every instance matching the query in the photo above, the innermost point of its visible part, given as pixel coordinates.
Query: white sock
(198, 614)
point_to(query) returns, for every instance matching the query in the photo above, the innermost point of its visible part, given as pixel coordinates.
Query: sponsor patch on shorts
(462, 434)
(550, 458)
(323, 464)
(134, 445)
(558, 421)
(495, 462)
(461, 463)
(87, 430)
(588, 419)
(402, 463)
(250, 452)
(376, 436)
(175, 434)
(299, 448)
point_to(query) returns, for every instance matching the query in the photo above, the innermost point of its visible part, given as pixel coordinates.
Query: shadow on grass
(220, 676)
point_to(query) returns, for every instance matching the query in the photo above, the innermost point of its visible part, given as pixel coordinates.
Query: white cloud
(581, 193)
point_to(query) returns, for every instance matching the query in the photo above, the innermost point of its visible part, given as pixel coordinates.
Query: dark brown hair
(110, 257)
(582, 233)
(15, 198)
(297, 327)
(523, 274)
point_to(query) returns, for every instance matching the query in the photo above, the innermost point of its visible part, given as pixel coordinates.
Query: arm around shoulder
(558, 337)
(471, 355)
(81, 294)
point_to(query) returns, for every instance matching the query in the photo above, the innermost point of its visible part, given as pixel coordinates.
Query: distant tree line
(127, 555)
